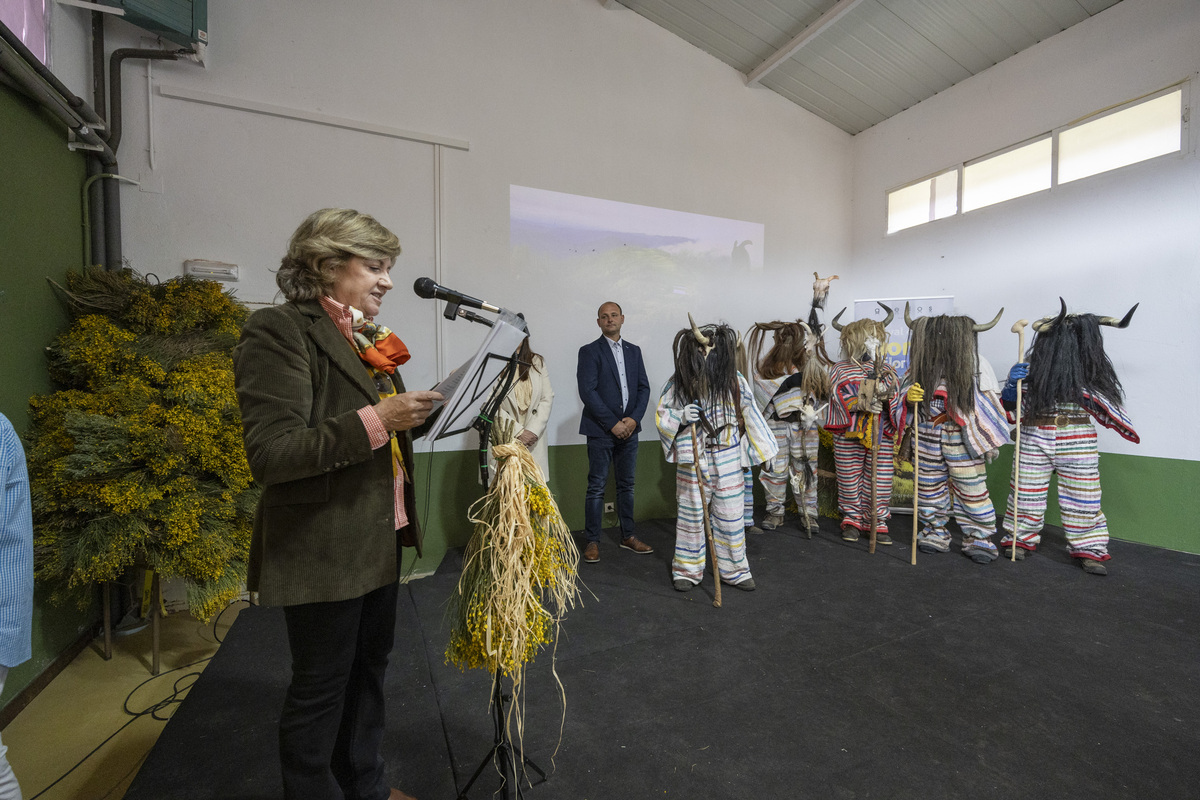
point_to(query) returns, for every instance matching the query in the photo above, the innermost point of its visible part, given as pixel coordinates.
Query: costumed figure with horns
(791, 389)
(1070, 384)
(960, 426)
(863, 413)
(710, 428)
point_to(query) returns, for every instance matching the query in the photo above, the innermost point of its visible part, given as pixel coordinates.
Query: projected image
(586, 235)
(568, 254)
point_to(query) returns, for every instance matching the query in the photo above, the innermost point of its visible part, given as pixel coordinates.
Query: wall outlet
(610, 508)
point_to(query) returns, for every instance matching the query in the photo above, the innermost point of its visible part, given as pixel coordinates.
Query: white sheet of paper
(460, 387)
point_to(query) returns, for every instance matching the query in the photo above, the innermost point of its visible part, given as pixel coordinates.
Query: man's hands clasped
(624, 429)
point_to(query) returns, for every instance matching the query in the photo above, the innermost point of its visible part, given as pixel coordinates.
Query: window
(1137, 133)
(930, 199)
(27, 19)
(1143, 129)
(1020, 171)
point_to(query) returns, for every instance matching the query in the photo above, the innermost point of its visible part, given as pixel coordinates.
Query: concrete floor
(86, 704)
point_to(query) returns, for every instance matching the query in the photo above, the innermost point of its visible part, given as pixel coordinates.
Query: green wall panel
(448, 483)
(1145, 499)
(40, 237)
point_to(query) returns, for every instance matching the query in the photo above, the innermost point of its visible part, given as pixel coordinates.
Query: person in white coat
(528, 406)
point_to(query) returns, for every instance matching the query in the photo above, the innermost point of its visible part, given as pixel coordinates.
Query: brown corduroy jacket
(325, 527)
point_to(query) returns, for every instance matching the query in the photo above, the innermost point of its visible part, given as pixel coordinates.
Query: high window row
(1146, 128)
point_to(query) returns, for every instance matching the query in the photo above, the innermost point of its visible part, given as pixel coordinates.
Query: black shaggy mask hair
(1067, 360)
(709, 381)
(945, 349)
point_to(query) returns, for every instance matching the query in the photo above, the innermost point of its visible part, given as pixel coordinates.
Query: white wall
(1103, 243)
(555, 94)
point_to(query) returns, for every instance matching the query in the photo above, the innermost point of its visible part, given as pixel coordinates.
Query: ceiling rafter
(855, 70)
(822, 23)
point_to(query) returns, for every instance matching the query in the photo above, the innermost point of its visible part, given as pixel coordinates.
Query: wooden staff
(876, 439)
(916, 480)
(708, 534)
(874, 472)
(1019, 329)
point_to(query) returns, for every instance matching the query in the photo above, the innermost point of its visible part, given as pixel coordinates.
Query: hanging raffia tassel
(519, 575)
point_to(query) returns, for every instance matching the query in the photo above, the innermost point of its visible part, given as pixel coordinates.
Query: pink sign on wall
(27, 19)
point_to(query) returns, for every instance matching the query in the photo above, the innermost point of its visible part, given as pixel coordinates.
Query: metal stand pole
(503, 750)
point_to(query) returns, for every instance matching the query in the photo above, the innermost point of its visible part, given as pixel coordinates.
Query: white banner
(896, 352)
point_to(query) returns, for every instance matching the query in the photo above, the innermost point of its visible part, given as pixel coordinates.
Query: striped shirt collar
(341, 316)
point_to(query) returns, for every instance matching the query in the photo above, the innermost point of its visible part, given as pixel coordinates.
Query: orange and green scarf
(381, 351)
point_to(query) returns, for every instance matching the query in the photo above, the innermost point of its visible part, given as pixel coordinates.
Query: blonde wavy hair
(325, 241)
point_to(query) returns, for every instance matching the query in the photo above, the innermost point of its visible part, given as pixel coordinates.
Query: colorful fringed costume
(1071, 385)
(730, 434)
(960, 428)
(855, 426)
(782, 402)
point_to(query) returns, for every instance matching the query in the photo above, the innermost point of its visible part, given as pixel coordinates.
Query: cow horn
(1046, 323)
(804, 326)
(888, 319)
(989, 325)
(837, 326)
(1124, 323)
(908, 320)
(700, 337)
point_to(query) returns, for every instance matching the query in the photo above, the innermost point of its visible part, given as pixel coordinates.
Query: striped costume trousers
(952, 481)
(795, 445)
(853, 463)
(1071, 452)
(725, 490)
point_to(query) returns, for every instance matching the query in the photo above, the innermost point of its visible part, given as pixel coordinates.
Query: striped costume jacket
(757, 441)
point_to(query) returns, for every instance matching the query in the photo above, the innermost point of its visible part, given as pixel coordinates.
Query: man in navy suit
(614, 390)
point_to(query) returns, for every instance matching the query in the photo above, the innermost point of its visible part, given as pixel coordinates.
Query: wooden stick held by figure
(1019, 329)
(915, 395)
(870, 391)
(708, 534)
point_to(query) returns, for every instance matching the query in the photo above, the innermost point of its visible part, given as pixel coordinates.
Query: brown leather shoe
(396, 794)
(591, 553)
(636, 545)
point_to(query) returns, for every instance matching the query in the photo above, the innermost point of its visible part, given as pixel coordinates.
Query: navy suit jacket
(600, 387)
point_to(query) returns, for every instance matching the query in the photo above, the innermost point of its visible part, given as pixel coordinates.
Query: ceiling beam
(839, 10)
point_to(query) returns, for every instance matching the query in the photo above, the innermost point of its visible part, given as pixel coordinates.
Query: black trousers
(332, 723)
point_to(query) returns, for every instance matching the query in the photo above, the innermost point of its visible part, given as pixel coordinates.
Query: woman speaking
(326, 421)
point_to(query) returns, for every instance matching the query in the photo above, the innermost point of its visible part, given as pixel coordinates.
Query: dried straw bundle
(519, 573)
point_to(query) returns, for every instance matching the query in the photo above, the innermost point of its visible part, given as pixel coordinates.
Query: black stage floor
(845, 675)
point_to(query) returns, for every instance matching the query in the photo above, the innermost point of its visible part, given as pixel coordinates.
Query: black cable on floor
(173, 699)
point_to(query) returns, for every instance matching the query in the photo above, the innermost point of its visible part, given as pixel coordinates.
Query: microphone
(427, 288)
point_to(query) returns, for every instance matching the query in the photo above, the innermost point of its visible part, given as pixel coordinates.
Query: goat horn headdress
(700, 337)
(987, 326)
(1112, 322)
(1046, 323)
(886, 320)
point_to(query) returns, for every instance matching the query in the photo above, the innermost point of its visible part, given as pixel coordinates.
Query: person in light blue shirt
(16, 574)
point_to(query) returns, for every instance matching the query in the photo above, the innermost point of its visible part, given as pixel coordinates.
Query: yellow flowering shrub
(138, 460)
